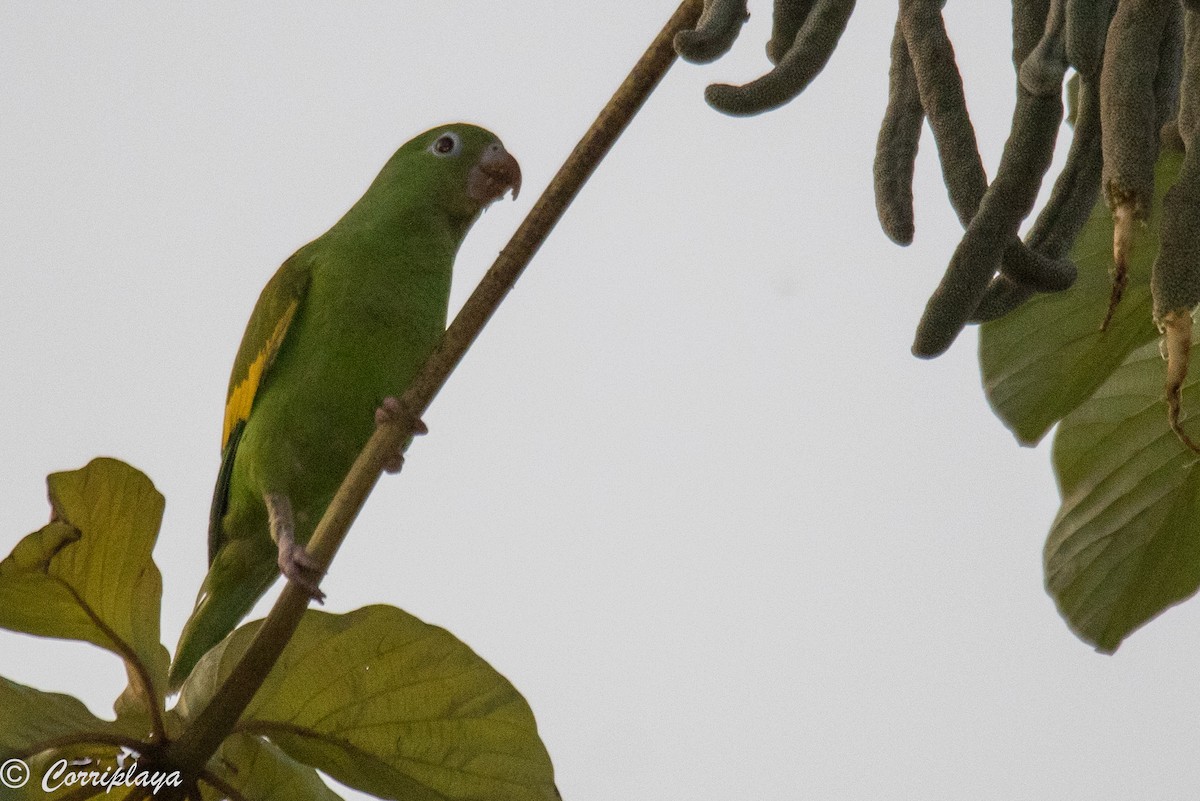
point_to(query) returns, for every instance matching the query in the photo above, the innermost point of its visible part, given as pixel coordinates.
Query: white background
(690, 492)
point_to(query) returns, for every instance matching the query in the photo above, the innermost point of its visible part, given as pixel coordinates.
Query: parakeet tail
(230, 590)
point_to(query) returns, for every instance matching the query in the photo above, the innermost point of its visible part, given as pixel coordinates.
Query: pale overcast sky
(690, 492)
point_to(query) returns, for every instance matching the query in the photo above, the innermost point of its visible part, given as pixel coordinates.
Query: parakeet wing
(266, 332)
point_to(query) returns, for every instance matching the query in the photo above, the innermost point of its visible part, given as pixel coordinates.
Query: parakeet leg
(294, 561)
(387, 411)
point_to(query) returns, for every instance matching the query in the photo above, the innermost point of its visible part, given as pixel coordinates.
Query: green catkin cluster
(1175, 280)
(1065, 213)
(715, 31)
(1005, 204)
(1130, 127)
(1076, 187)
(1136, 82)
(814, 43)
(937, 77)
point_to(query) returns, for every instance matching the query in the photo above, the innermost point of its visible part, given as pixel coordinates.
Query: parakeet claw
(300, 568)
(295, 563)
(388, 410)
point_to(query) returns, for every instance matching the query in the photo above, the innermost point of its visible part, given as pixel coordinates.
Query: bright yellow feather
(241, 397)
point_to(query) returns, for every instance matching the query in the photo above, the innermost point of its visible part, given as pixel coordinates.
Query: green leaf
(1048, 356)
(1126, 542)
(88, 574)
(390, 705)
(261, 772)
(43, 728)
(64, 778)
(30, 719)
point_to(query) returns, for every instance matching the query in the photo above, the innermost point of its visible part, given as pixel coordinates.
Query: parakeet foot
(300, 568)
(295, 563)
(388, 410)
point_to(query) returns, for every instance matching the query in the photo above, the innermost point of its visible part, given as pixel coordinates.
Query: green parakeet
(337, 334)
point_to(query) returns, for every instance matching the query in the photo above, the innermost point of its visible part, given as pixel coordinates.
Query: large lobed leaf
(1048, 356)
(64, 768)
(44, 729)
(1126, 542)
(388, 704)
(88, 574)
(259, 771)
(29, 718)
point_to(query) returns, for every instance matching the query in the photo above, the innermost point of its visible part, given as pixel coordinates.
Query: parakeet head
(458, 169)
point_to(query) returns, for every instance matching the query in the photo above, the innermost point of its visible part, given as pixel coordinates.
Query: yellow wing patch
(241, 397)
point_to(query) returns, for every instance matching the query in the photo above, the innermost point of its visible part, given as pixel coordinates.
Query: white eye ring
(446, 145)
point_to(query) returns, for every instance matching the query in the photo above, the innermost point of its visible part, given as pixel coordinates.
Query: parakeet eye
(448, 144)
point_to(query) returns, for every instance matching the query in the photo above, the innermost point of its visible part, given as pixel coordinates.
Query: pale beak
(495, 173)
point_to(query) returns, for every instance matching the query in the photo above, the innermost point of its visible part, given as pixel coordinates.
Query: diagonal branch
(201, 739)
